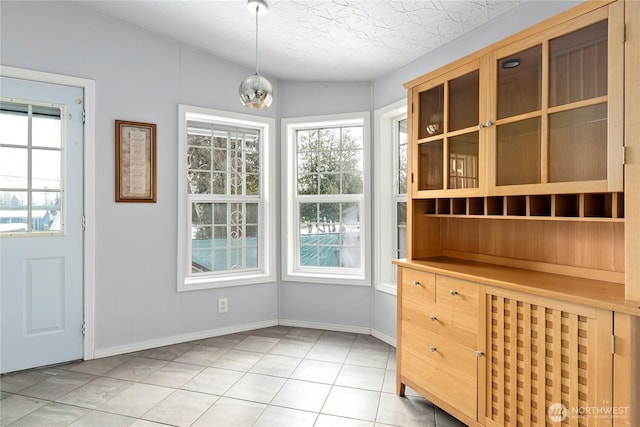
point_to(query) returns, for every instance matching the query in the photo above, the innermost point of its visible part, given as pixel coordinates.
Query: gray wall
(141, 76)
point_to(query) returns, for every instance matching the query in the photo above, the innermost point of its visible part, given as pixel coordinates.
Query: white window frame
(290, 221)
(386, 182)
(267, 247)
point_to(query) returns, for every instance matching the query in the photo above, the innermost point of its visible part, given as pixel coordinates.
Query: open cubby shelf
(583, 206)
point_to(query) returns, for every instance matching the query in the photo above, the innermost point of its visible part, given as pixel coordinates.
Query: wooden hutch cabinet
(519, 300)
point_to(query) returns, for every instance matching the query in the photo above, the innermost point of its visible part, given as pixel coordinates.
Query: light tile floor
(272, 377)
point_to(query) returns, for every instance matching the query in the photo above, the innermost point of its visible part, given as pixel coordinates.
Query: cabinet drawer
(418, 286)
(448, 386)
(457, 293)
(441, 352)
(457, 325)
(460, 326)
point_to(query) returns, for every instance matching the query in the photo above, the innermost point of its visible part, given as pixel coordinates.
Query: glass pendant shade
(256, 92)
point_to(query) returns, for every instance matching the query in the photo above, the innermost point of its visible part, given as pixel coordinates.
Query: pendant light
(255, 90)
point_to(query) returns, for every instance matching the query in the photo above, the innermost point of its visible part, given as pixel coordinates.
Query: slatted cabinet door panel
(543, 354)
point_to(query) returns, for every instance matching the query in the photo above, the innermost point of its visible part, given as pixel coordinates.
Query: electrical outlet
(223, 305)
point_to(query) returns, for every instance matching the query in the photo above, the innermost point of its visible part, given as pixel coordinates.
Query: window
(31, 185)
(390, 192)
(399, 139)
(325, 211)
(226, 224)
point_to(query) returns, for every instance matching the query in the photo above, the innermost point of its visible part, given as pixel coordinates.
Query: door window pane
(14, 166)
(464, 101)
(431, 112)
(47, 165)
(520, 83)
(430, 166)
(14, 124)
(463, 161)
(46, 127)
(578, 144)
(578, 65)
(518, 154)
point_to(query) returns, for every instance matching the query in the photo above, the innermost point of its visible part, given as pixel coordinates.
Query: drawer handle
(479, 354)
(416, 283)
(453, 292)
(432, 349)
(433, 318)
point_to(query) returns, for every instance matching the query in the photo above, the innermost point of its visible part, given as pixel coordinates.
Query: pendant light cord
(257, 10)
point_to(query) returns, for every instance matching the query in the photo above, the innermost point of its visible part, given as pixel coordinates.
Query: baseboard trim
(177, 339)
(383, 337)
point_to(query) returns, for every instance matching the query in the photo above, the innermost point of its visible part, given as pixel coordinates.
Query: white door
(41, 229)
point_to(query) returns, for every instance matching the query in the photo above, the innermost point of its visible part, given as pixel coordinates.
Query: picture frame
(135, 162)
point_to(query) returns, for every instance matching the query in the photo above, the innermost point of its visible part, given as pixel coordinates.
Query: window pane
(352, 137)
(14, 124)
(13, 167)
(402, 157)
(199, 140)
(46, 127)
(308, 184)
(46, 211)
(219, 183)
(329, 140)
(351, 160)
(46, 167)
(232, 241)
(352, 183)
(13, 211)
(201, 213)
(199, 158)
(401, 217)
(199, 182)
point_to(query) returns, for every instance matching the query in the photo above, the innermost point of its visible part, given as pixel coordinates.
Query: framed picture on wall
(135, 162)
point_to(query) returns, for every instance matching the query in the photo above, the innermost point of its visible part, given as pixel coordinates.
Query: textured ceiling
(319, 40)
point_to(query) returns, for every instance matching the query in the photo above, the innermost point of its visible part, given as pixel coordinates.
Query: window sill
(194, 284)
(331, 279)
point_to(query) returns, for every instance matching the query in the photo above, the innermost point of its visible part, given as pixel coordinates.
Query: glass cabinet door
(519, 100)
(551, 108)
(448, 139)
(578, 102)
